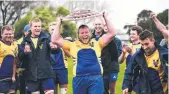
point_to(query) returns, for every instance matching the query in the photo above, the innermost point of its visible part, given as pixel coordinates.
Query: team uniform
(156, 73)
(46, 83)
(38, 71)
(109, 59)
(7, 59)
(152, 72)
(134, 47)
(59, 65)
(87, 68)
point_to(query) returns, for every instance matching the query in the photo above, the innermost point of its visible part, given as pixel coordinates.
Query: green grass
(70, 76)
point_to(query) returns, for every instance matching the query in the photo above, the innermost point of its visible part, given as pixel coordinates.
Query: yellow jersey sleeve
(66, 45)
(101, 44)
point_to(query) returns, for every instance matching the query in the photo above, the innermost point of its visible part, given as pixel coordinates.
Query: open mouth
(98, 29)
(37, 31)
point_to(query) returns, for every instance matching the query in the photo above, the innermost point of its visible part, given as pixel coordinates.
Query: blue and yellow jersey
(86, 57)
(134, 47)
(156, 72)
(7, 57)
(59, 60)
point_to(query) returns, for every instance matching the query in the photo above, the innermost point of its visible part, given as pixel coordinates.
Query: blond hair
(34, 20)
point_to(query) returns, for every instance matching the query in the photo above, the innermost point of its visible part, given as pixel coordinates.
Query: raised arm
(111, 31)
(56, 37)
(162, 28)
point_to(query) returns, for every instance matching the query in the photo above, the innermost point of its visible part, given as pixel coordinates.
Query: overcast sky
(128, 9)
(125, 11)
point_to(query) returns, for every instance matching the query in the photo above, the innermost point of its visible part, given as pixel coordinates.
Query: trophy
(81, 15)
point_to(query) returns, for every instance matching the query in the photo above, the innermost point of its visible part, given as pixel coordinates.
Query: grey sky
(125, 11)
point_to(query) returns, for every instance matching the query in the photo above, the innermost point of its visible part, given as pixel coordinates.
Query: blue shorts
(61, 76)
(112, 77)
(108, 81)
(44, 84)
(92, 84)
(5, 86)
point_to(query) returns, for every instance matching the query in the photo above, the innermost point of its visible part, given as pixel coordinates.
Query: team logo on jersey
(40, 46)
(155, 62)
(91, 44)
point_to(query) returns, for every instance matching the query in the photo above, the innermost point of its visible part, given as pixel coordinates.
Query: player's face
(98, 25)
(134, 36)
(8, 36)
(36, 28)
(84, 35)
(147, 45)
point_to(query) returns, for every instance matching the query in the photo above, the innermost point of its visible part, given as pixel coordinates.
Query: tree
(19, 25)
(68, 28)
(61, 11)
(46, 15)
(12, 10)
(144, 20)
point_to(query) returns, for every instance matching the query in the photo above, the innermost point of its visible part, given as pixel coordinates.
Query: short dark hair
(137, 28)
(146, 34)
(82, 27)
(7, 27)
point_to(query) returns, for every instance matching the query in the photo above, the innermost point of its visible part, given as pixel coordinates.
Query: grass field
(118, 85)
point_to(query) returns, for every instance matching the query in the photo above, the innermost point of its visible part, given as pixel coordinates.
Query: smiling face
(134, 36)
(98, 25)
(147, 42)
(35, 28)
(84, 35)
(8, 36)
(148, 45)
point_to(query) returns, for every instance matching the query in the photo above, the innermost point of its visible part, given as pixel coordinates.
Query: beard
(148, 52)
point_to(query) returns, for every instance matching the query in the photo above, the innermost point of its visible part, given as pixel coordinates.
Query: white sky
(125, 11)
